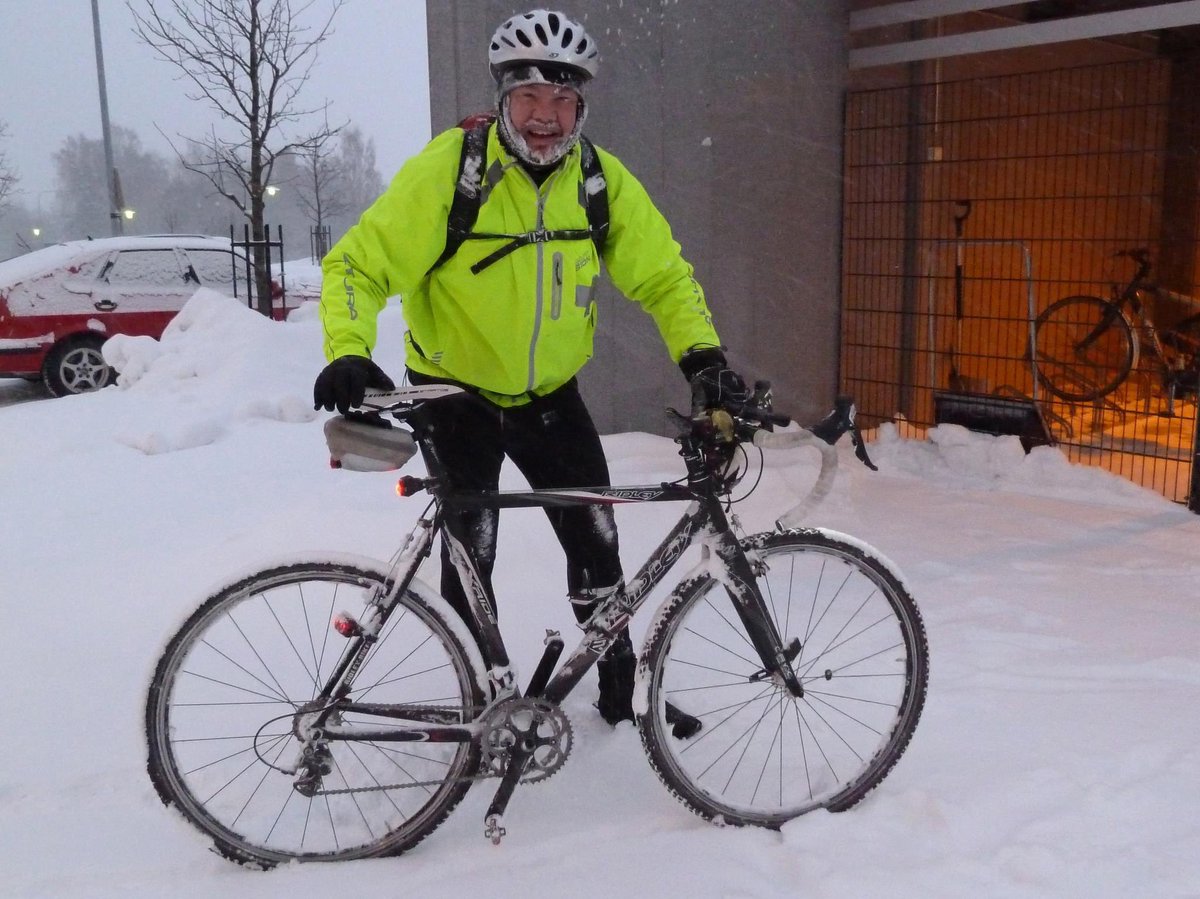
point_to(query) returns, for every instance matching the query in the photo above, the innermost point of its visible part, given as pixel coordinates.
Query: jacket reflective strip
(543, 193)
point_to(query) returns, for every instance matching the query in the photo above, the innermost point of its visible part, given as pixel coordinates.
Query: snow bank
(955, 456)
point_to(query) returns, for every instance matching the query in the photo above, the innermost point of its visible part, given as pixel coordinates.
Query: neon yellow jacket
(523, 325)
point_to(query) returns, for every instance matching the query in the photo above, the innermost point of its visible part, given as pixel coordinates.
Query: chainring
(536, 723)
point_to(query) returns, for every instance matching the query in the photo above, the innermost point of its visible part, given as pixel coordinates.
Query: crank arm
(494, 819)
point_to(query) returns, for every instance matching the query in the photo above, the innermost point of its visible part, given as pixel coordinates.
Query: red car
(58, 305)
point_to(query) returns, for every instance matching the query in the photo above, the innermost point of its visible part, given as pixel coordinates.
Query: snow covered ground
(1058, 754)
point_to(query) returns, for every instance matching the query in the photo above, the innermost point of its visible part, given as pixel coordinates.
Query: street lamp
(37, 232)
(128, 214)
(271, 190)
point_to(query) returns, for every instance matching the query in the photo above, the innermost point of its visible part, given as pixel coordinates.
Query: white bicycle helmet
(543, 37)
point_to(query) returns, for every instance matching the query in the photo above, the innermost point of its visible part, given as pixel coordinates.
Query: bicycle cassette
(538, 725)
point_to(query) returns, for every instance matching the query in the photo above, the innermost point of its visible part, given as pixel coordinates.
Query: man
(509, 314)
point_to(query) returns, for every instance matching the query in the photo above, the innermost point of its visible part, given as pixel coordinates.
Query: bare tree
(8, 177)
(319, 189)
(79, 165)
(249, 59)
(336, 186)
(361, 183)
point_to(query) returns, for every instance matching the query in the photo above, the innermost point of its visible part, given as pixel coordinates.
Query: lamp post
(109, 169)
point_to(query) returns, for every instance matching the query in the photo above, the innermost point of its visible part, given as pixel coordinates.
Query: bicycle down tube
(704, 523)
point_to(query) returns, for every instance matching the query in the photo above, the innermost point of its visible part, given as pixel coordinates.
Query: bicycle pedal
(494, 829)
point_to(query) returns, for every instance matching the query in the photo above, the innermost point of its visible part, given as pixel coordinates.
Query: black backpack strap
(468, 197)
(468, 191)
(595, 190)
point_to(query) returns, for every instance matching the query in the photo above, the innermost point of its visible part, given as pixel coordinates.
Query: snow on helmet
(543, 37)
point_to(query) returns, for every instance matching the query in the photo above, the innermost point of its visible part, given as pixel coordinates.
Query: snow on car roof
(30, 265)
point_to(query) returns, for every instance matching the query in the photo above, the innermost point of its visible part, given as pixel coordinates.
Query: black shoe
(682, 724)
(615, 670)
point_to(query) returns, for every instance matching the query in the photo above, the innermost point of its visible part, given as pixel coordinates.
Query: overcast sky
(373, 68)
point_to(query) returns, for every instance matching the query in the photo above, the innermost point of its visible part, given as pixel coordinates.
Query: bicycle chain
(420, 783)
(562, 738)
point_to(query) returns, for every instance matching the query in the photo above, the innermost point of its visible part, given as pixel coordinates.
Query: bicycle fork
(751, 607)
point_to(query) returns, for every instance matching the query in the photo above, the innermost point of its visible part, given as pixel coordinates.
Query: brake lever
(860, 448)
(843, 418)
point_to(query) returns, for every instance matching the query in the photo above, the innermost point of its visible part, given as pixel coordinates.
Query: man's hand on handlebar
(714, 384)
(343, 383)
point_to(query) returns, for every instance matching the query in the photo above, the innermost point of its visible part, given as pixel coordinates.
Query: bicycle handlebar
(823, 436)
(750, 421)
(824, 483)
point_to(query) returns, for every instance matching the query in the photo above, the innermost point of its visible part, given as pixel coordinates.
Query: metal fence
(972, 206)
(271, 251)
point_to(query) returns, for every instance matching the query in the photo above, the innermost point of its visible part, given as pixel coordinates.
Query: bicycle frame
(704, 523)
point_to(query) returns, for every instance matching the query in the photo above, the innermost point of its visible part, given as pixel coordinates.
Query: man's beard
(539, 158)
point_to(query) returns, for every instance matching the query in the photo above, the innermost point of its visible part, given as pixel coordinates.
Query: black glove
(344, 381)
(714, 384)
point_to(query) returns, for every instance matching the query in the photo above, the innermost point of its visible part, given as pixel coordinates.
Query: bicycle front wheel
(221, 708)
(1086, 348)
(764, 756)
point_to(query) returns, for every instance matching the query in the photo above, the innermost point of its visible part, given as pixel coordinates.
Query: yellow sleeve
(391, 248)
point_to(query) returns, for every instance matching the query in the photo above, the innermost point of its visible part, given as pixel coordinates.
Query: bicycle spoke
(279, 696)
(288, 637)
(723, 647)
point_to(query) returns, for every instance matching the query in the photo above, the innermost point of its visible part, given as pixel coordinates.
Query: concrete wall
(731, 115)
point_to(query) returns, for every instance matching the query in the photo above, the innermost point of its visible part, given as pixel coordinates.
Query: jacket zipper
(543, 193)
(556, 288)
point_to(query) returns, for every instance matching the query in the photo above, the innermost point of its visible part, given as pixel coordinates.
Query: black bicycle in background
(336, 708)
(1087, 347)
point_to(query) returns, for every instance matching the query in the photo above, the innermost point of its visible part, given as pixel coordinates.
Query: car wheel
(76, 365)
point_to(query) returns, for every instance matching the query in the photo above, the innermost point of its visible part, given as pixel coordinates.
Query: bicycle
(786, 671)
(1086, 346)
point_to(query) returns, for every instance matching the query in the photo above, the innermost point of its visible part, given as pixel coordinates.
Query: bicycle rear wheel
(1086, 348)
(219, 718)
(763, 755)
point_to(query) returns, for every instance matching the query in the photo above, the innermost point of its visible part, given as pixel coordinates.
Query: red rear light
(408, 485)
(345, 625)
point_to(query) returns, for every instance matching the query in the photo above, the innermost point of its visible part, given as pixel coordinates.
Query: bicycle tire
(763, 756)
(220, 705)
(1086, 348)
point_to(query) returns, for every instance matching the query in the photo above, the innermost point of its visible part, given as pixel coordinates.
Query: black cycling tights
(553, 443)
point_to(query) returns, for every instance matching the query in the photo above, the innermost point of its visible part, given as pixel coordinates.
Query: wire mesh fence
(973, 207)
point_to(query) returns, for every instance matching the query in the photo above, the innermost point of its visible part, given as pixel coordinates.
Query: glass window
(214, 268)
(145, 268)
